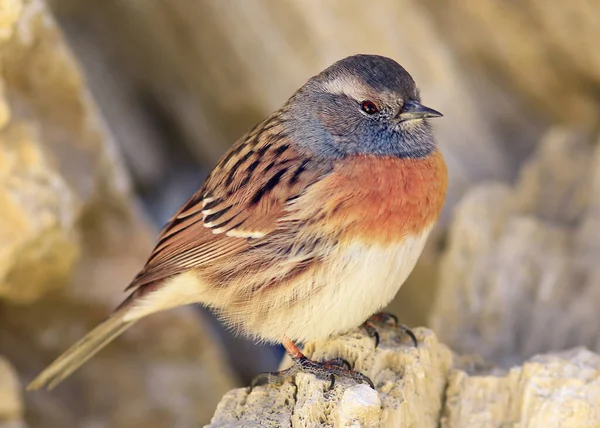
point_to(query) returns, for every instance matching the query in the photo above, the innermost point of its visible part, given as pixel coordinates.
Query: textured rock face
(410, 384)
(38, 236)
(554, 391)
(38, 244)
(424, 387)
(70, 240)
(56, 160)
(519, 257)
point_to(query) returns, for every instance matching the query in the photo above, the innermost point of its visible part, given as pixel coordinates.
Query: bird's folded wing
(239, 204)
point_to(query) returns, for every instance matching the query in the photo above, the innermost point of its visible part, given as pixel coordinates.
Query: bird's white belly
(361, 280)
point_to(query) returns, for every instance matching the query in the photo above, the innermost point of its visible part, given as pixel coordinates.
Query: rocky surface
(426, 386)
(37, 220)
(71, 238)
(549, 390)
(520, 275)
(11, 402)
(410, 386)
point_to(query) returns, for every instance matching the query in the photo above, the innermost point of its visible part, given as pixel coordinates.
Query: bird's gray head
(363, 104)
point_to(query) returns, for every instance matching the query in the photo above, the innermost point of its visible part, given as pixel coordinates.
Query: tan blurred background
(112, 117)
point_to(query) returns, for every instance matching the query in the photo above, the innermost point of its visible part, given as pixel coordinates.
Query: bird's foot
(385, 319)
(326, 370)
(329, 370)
(272, 378)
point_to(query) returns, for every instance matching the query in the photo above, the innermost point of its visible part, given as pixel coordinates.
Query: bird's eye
(369, 107)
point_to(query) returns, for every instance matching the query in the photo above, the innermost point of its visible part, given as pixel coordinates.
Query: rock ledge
(428, 386)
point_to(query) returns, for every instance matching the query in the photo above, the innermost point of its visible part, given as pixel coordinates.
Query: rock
(553, 391)
(11, 10)
(71, 238)
(410, 385)
(426, 386)
(39, 241)
(11, 403)
(520, 274)
(527, 46)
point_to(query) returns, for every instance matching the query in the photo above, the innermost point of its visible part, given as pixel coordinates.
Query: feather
(82, 351)
(241, 202)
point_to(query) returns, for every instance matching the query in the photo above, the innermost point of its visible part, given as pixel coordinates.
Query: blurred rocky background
(113, 111)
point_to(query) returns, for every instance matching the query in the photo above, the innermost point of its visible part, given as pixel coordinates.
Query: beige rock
(543, 50)
(423, 387)
(520, 274)
(38, 239)
(410, 385)
(11, 403)
(71, 238)
(10, 10)
(553, 391)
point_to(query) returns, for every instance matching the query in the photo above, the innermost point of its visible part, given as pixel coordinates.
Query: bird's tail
(82, 351)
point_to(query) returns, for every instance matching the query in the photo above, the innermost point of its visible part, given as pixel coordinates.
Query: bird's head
(362, 104)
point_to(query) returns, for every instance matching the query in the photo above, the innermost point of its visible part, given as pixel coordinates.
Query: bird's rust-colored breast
(383, 199)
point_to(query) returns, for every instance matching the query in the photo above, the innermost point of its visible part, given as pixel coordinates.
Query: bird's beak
(413, 110)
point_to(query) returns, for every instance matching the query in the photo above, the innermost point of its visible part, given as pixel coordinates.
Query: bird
(306, 227)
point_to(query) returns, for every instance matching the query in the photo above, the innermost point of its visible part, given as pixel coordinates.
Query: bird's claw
(385, 319)
(326, 370)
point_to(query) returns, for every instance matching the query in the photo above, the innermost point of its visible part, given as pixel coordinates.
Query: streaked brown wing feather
(239, 203)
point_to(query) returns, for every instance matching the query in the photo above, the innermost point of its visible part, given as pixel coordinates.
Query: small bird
(306, 227)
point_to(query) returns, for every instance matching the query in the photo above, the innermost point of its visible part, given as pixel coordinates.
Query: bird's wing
(240, 202)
